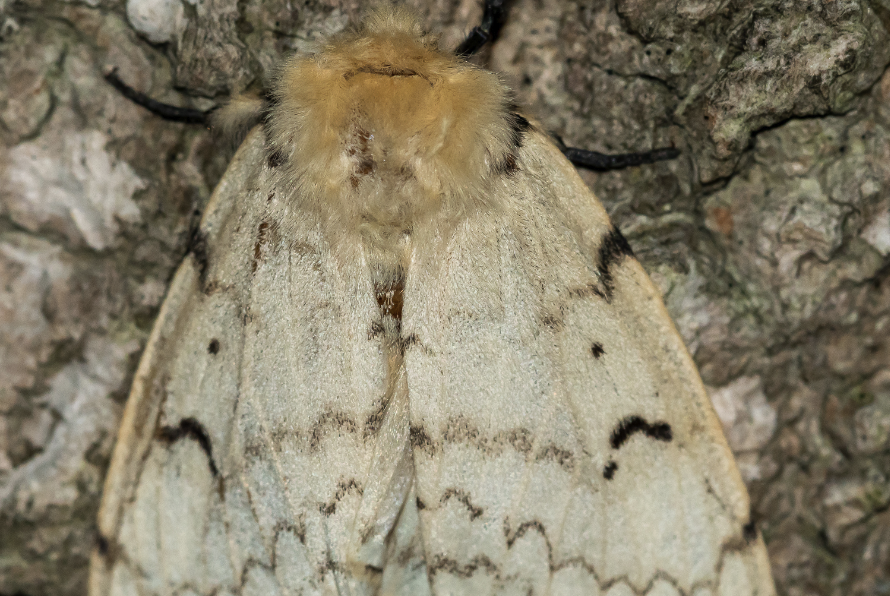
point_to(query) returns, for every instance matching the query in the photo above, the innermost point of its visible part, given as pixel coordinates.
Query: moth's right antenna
(493, 13)
(166, 111)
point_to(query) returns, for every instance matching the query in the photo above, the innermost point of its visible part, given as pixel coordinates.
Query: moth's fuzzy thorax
(384, 131)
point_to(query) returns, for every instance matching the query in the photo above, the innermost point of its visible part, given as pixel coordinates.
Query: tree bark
(769, 236)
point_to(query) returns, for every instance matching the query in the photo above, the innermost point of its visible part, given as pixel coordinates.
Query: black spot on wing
(213, 346)
(659, 431)
(420, 504)
(613, 248)
(609, 470)
(597, 349)
(191, 429)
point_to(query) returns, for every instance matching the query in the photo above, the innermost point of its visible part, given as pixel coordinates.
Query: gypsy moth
(415, 357)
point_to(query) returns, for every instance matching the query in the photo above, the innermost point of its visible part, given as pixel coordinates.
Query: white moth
(411, 355)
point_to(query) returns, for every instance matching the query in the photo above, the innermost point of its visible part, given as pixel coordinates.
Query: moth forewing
(410, 354)
(143, 419)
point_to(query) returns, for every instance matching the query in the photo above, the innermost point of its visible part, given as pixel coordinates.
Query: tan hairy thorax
(382, 131)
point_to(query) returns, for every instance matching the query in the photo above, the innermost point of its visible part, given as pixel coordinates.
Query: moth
(409, 354)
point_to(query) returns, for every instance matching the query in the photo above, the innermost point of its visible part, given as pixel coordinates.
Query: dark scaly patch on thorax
(358, 148)
(659, 431)
(390, 298)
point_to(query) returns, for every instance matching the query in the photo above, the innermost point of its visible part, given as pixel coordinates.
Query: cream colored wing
(262, 451)
(563, 441)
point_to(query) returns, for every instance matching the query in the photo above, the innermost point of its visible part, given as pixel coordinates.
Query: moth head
(382, 124)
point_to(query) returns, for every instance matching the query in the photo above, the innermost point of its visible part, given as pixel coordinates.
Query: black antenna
(603, 162)
(166, 111)
(493, 13)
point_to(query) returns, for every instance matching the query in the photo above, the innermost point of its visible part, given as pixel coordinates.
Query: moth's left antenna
(165, 111)
(493, 13)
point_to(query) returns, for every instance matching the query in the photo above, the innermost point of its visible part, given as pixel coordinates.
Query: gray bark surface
(769, 236)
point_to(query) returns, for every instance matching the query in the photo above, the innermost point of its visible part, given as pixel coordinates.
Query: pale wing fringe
(141, 410)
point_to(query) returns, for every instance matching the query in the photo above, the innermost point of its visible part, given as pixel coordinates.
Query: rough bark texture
(769, 236)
